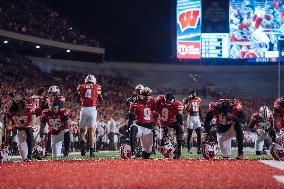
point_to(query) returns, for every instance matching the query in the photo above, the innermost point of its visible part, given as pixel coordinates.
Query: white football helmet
(40, 147)
(91, 78)
(54, 89)
(125, 151)
(166, 148)
(4, 153)
(139, 87)
(264, 112)
(208, 149)
(277, 148)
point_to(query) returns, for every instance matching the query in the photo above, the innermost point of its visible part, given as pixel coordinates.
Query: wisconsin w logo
(188, 19)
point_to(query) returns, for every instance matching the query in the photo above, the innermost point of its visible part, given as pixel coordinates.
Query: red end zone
(139, 174)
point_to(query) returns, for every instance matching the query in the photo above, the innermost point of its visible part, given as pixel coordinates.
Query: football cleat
(240, 157)
(125, 152)
(92, 152)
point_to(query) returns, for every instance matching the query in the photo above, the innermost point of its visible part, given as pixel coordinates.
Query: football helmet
(54, 90)
(208, 147)
(91, 78)
(166, 147)
(4, 152)
(139, 87)
(277, 148)
(169, 97)
(125, 151)
(40, 147)
(264, 112)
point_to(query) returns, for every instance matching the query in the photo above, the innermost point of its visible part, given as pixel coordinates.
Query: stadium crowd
(34, 17)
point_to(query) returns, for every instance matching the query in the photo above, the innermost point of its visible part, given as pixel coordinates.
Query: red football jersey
(144, 112)
(21, 120)
(260, 123)
(220, 118)
(38, 101)
(168, 112)
(55, 121)
(279, 107)
(89, 94)
(194, 104)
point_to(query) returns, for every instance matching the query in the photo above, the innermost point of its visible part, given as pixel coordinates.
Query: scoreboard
(215, 45)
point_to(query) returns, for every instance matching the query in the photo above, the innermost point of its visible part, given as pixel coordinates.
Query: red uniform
(193, 104)
(89, 94)
(55, 121)
(279, 108)
(260, 123)
(144, 111)
(21, 120)
(38, 101)
(220, 118)
(166, 111)
(51, 99)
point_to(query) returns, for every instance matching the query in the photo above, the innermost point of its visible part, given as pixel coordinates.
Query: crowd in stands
(34, 17)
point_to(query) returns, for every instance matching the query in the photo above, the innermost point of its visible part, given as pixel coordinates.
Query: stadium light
(68, 51)
(70, 28)
(5, 42)
(38, 47)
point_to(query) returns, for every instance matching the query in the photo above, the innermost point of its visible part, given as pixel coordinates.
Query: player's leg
(56, 143)
(259, 142)
(29, 133)
(22, 144)
(92, 122)
(146, 142)
(82, 125)
(135, 133)
(189, 133)
(240, 139)
(224, 142)
(179, 139)
(67, 141)
(197, 127)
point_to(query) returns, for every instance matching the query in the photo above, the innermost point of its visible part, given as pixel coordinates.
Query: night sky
(130, 30)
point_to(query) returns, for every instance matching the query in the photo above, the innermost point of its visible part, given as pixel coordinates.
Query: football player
(22, 118)
(58, 121)
(89, 93)
(194, 118)
(54, 95)
(229, 120)
(261, 123)
(142, 112)
(171, 117)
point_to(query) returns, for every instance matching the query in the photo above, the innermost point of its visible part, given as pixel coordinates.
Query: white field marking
(279, 179)
(278, 165)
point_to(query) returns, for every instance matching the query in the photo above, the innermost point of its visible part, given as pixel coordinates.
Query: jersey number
(36, 103)
(88, 93)
(55, 123)
(195, 107)
(147, 114)
(165, 114)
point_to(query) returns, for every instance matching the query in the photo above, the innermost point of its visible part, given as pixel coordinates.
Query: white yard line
(278, 165)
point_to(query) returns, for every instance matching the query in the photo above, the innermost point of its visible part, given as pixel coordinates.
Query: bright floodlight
(5, 42)
(68, 51)
(37, 46)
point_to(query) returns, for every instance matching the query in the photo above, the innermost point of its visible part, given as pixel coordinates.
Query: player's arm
(251, 125)
(209, 116)
(200, 114)
(276, 120)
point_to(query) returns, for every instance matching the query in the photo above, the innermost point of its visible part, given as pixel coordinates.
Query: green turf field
(249, 154)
